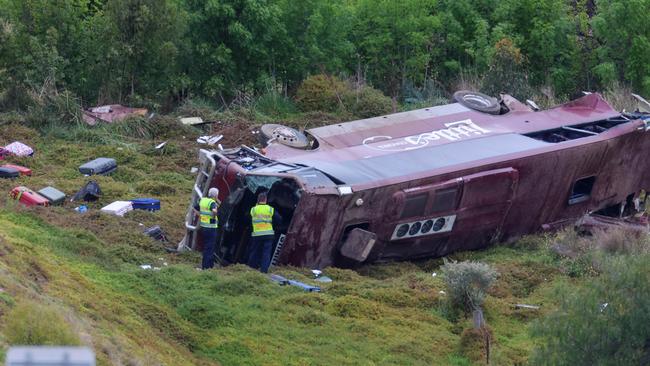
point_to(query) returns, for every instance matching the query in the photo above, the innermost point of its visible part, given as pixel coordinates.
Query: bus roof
(400, 145)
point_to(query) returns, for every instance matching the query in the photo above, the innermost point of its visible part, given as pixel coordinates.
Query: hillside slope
(86, 268)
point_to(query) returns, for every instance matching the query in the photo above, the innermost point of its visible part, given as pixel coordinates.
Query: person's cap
(213, 192)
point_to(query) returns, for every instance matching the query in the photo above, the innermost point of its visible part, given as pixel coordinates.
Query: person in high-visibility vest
(262, 217)
(208, 223)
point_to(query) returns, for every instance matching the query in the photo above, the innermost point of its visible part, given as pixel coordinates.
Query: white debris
(209, 140)
(441, 292)
(192, 121)
(316, 272)
(194, 169)
(102, 109)
(145, 266)
(161, 145)
(434, 274)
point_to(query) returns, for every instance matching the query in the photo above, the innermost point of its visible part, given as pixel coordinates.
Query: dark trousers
(209, 237)
(259, 255)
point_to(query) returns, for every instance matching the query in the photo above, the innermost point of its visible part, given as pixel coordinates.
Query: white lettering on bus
(454, 131)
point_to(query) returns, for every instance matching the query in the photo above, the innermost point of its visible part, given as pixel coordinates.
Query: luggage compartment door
(484, 205)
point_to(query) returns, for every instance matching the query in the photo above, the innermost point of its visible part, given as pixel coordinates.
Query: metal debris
(209, 140)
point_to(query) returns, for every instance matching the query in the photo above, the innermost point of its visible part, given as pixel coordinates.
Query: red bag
(28, 197)
(21, 169)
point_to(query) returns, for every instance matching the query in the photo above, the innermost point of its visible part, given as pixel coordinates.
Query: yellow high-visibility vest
(262, 216)
(205, 214)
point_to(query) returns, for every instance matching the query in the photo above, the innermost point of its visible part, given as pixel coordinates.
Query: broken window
(444, 200)
(567, 133)
(581, 190)
(414, 205)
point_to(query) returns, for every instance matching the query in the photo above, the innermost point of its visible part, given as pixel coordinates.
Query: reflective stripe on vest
(205, 214)
(262, 216)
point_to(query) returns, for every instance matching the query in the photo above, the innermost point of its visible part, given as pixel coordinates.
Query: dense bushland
(159, 52)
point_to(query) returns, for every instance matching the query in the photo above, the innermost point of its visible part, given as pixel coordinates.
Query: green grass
(236, 316)
(86, 268)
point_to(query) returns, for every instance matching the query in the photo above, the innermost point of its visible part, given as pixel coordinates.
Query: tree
(232, 44)
(40, 44)
(506, 73)
(395, 40)
(317, 39)
(545, 33)
(141, 46)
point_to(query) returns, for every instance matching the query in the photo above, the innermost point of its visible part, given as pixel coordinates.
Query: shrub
(29, 323)
(197, 107)
(604, 323)
(622, 241)
(53, 108)
(468, 282)
(367, 102)
(582, 255)
(330, 94)
(320, 93)
(274, 104)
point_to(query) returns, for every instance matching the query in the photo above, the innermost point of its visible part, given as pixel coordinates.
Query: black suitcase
(101, 166)
(9, 173)
(156, 233)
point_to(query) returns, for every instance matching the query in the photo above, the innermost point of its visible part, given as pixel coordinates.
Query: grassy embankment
(84, 269)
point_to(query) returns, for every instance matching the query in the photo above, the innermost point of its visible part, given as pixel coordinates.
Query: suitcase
(101, 166)
(149, 204)
(28, 197)
(55, 196)
(21, 169)
(89, 193)
(19, 149)
(156, 233)
(118, 208)
(9, 173)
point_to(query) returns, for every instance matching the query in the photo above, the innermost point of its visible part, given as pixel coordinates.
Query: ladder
(207, 165)
(278, 250)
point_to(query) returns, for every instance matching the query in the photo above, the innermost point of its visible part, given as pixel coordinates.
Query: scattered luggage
(100, 166)
(19, 149)
(3, 153)
(55, 196)
(118, 208)
(89, 193)
(148, 204)
(28, 197)
(156, 233)
(21, 169)
(9, 173)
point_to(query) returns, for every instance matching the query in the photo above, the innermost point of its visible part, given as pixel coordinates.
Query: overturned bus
(427, 182)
